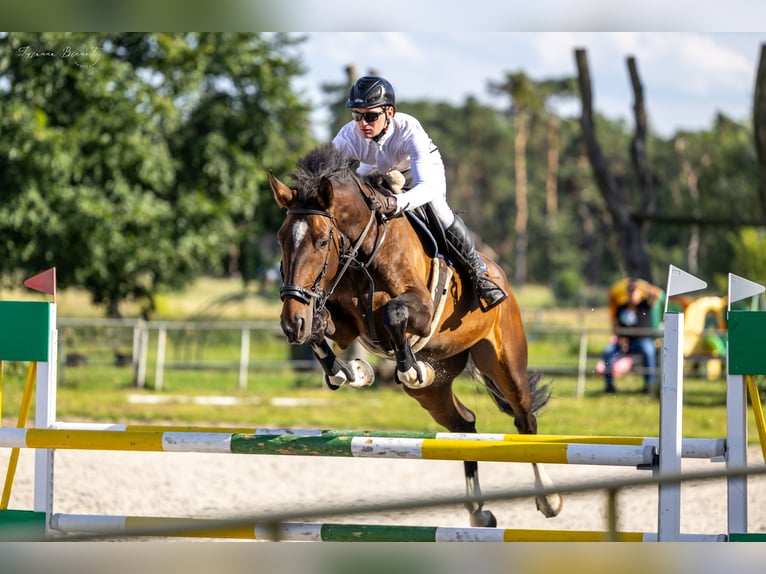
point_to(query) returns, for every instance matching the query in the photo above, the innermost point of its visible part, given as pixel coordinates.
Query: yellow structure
(704, 319)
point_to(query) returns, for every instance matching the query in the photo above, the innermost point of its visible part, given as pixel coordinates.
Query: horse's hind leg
(479, 516)
(447, 410)
(520, 395)
(551, 504)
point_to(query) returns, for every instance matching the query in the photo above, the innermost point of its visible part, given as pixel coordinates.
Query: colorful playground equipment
(705, 326)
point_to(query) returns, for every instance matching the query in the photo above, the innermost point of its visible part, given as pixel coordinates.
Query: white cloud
(687, 77)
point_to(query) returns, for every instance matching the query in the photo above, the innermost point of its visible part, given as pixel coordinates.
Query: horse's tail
(540, 393)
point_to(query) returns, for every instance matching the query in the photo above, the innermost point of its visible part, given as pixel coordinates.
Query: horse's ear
(325, 193)
(282, 193)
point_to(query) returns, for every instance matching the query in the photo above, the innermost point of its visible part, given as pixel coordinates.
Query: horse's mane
(324, 161)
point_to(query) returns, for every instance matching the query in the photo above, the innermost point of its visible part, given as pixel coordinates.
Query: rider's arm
(427, 169)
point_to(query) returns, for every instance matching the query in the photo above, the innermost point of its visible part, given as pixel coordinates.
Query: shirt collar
(386, 136)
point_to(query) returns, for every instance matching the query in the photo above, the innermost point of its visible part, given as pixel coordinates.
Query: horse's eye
(323, 243)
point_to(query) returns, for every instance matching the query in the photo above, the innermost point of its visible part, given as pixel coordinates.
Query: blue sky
(687, 76)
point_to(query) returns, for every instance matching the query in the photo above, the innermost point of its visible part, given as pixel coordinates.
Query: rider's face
(370, 122)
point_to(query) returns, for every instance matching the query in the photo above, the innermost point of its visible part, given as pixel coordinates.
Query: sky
(688, 77)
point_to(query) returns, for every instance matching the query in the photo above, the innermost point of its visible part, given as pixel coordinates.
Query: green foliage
(748, 246)
(135, 164)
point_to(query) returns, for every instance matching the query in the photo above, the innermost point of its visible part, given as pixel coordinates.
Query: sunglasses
(369, 117)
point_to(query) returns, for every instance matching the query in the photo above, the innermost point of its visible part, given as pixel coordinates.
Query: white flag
(741, 288)
(679, 281)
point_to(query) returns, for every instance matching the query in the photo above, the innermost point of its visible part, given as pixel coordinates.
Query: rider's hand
(384, 204)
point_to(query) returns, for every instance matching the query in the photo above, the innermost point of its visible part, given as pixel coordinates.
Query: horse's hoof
(550, 506)
(334, 382)
(483, 519)
(364, 375)
(419, 377)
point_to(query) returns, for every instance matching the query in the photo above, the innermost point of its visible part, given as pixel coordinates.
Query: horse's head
(309, 241)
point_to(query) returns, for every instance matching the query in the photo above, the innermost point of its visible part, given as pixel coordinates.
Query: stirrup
(489, 293)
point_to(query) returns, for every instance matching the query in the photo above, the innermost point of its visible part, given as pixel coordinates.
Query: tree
(632, 235)
(759, 126)
(530, 101)
(132, 162)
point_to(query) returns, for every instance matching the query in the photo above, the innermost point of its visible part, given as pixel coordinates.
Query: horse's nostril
(295, 330)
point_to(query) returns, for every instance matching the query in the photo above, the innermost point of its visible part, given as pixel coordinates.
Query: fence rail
(247, 346)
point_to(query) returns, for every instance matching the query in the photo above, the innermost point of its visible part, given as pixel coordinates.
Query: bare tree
(630, 232)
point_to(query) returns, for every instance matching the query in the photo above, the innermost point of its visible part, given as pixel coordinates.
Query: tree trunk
(759, 126)
(521, 123)
(691, 180)
(633, 248)
(552, 171)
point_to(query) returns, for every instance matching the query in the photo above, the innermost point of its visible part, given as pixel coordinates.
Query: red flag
(44, 282)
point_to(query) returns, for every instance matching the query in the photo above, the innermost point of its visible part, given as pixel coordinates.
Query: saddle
(422, 219)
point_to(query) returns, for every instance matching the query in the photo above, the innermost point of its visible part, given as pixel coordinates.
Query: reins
(346, 256)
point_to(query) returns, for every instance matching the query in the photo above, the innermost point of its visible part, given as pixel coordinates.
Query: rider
(383, 141)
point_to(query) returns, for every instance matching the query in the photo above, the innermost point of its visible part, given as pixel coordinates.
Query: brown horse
(349, 273)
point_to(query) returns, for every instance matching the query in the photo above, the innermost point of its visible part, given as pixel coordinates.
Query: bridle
(348, 255)
(303, 294)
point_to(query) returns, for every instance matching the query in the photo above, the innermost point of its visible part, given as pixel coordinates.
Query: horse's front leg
(399, 315)
(356, 373)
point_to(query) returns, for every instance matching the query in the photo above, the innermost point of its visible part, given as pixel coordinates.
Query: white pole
(45, 417)
(581, 364)
(671, 405)
(159, 368)
(143, 349)
(736, 450)
(736, 417)
(244, 358)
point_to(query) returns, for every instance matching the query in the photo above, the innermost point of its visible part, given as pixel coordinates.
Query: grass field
(105, 393)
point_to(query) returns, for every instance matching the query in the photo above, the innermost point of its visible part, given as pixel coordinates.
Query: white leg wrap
(337, 379)
(410, 378)
(549, 505)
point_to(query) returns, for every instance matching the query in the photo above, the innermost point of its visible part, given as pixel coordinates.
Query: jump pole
(710, 448)
(357, 447)
(671, 406)
(339, 532)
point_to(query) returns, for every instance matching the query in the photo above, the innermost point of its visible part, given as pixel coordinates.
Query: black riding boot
(459, 238)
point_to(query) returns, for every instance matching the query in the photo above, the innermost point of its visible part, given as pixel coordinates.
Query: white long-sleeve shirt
(405, 146)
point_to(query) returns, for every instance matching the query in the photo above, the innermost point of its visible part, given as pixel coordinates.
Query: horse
(348, 273)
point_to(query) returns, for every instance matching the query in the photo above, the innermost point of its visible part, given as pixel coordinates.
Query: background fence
(254, 346)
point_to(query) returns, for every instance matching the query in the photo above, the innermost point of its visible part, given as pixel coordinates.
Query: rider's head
(373, 104)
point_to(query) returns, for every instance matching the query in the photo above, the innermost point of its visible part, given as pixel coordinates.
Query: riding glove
(384, 204)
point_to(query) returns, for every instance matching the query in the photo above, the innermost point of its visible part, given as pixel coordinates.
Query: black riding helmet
(371, 92)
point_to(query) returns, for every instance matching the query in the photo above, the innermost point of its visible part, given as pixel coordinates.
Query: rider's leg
(461, 242)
